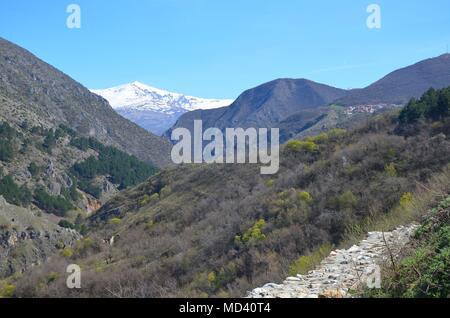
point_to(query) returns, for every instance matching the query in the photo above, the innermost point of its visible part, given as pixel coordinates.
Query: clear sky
(218, 48)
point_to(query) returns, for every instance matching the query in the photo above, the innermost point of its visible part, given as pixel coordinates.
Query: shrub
(66, 131)
(115, 221)
(145, 200)
(84, 245)
(212, 278)
(67, 252)
(165, 191)
(390, 170)
(308, 262)
(150, 225)
(305, 197)
(406, 200)
(154, 198)
(66, 224)
(79, 226)
(49, 141)
(324, 137)
(269, 183)
(302, 146)
(52, 277)
(336, 133)
(6, 151)
(345, 201)
(319, 139)
(34, 169)
(7, 133)
(255, 232)
(7, 290)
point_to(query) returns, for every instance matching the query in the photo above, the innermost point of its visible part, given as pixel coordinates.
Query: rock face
(342, 270)
(34, 91)
(27, 239)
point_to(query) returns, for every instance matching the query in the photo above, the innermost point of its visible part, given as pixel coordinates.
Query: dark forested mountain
(401, 85)
(33, 91)
(267, 105)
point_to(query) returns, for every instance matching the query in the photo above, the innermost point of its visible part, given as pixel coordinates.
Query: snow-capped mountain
(154, 109)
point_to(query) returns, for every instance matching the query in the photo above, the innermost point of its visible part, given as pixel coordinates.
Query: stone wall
(343, 270)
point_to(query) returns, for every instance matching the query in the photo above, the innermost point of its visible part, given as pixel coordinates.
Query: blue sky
(218, 48)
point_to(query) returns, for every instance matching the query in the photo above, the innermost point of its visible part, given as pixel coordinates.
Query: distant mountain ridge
(296, 104)
(403, 84)
(152, 108)
(266, 105)
(34, 91)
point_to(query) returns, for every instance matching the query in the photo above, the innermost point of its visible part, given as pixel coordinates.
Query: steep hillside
(28, 238)
(49, 177)
(401, 85)
(57, 170)
(33, 91)
(424, 268)
(221, 230)
(267, 105)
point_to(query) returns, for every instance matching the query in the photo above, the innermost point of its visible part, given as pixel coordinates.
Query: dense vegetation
(424, 271)
(13, 193)
(220, 230)
(122, 169)
(434, 105)
(7, 133)
(57, 205)
(46, 146)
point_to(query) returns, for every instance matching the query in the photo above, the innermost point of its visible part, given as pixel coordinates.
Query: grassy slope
(423, 270)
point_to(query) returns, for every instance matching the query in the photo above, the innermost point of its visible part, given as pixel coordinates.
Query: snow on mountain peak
(152, 108)
(139, 96)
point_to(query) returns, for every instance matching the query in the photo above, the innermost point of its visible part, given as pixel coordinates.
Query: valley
(348, 183)
(79, 184)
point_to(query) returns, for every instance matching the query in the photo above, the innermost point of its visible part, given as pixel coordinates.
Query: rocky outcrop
(27, 239)
(343, 270)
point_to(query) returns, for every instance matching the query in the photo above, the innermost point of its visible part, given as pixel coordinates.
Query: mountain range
(294, 105)
(403, 84)
(73, 190)
(154, 109)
